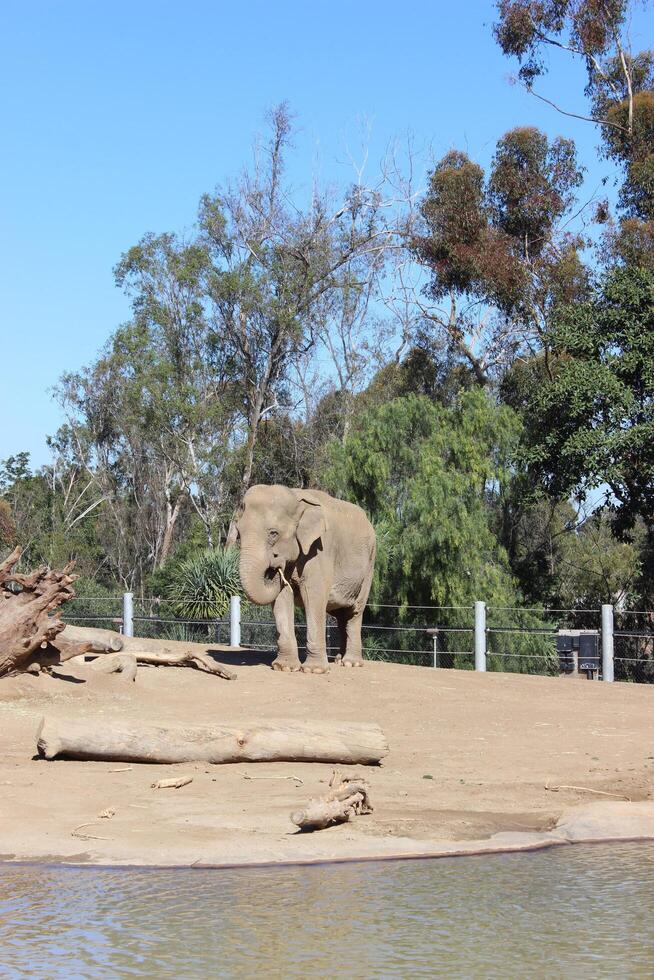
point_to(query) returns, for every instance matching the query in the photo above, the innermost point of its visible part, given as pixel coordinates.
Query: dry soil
(471, 756)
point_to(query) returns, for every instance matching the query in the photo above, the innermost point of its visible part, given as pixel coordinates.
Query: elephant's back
(348, 523)
(350, 516)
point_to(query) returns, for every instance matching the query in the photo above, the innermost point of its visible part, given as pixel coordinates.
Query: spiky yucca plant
(202, 585)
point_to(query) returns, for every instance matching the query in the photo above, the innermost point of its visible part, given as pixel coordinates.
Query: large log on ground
(338, 743)
(96, 640)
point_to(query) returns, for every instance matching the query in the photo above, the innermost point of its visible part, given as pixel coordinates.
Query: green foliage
(594, 567)
(632, 243)
(7, 527)
(429, 476)
(201, 586)
(532, 184)
(526, 27)
(589, 414)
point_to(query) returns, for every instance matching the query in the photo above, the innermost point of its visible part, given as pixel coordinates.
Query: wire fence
(517, 639)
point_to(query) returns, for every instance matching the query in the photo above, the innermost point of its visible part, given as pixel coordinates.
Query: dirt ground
(471, 755)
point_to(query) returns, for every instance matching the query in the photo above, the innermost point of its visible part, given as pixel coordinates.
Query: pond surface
(584, 911)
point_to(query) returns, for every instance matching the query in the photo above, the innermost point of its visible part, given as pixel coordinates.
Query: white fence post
(607, 643)
(128, 614)
(235, 621)
(480, 636)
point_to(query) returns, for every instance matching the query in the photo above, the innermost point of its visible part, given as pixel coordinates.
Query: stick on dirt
(172, 783)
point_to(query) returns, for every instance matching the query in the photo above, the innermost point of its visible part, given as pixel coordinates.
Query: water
(569, 912)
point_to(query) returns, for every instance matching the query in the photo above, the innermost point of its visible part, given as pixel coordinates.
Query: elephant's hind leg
(341, 617)
(353, 647)
(316, 612)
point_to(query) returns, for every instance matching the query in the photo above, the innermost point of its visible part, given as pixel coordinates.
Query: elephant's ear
(232, 534)
(311, 526)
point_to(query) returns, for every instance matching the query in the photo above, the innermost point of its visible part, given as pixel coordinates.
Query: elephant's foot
(351, 660)
(286, 663)
(315, 665)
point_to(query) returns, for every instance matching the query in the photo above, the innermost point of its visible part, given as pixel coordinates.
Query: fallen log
(33, 637)
(96, 640)
(349, 799)
(346, 743)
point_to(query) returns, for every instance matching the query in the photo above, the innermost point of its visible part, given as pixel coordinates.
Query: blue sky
(117, 116)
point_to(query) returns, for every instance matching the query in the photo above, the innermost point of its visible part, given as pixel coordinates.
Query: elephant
(305, 548)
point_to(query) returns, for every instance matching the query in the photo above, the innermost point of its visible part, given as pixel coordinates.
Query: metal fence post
(128, 614)
(435, 661)
(480, 636)
(235, 621)
(607, 642)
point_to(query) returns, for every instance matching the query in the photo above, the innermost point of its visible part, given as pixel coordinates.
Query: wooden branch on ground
(163, 653)
(346, 743)
(184, 659)
(347, 800)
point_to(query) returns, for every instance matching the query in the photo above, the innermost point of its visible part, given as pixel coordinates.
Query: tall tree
(497, 250)
(430, 477)
(149, 421)
(589, 413)
(620, 88)
(282, 272)
(595, 31)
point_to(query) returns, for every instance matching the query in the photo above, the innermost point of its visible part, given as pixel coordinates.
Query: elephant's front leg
(284, 612)
(315, 607)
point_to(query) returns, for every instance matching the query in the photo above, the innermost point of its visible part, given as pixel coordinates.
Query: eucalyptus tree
(283, 273)
(497, 250)
(589, 413)
(620, 90)
(596, 33)
(149, 421)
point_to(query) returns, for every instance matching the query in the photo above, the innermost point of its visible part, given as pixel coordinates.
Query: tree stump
(29, 621)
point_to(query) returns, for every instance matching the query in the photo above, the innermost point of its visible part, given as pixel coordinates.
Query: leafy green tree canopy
(428, 476)
(589, 412)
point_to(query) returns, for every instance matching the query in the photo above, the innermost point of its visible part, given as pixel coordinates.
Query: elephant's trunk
(261, 583)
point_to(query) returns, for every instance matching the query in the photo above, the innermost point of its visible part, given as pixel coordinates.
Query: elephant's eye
(273, 535)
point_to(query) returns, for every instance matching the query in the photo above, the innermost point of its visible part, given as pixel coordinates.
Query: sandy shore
(477, 762)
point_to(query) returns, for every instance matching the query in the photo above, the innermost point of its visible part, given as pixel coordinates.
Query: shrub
(201, 586)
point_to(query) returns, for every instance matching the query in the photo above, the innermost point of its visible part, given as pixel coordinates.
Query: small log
(346, 743)
(124, 664)
(349, 799)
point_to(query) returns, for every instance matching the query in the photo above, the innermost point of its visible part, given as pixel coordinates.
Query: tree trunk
(346, 743)
(172, 513)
